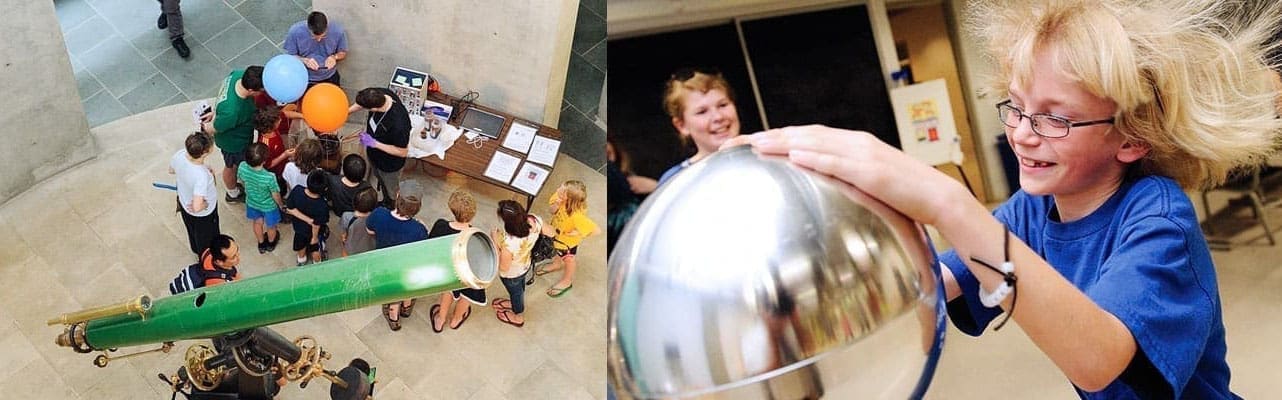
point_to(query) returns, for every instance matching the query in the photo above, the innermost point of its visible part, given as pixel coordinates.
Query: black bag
(542, 250)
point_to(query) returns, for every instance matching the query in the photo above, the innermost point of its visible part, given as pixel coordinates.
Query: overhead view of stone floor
(99, 233)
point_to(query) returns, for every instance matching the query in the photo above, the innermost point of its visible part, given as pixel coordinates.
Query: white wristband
(995, 298)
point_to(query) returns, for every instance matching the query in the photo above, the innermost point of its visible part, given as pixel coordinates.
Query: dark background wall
(815, 67)
(639, 68)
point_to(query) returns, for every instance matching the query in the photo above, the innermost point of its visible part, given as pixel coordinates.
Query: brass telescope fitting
(139, 305)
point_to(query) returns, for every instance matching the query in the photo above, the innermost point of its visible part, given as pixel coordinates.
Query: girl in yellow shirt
(570, 225)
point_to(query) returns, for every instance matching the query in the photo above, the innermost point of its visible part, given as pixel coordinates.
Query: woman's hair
(1189, 77)
(675, 89)
(515, 222)
(308, 154)
(462, 205)
(576, 196)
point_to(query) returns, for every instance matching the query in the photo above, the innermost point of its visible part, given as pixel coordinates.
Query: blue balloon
(285, 78)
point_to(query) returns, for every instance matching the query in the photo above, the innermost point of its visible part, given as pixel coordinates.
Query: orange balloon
(325, 107)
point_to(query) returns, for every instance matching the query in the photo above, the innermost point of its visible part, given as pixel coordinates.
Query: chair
(1246, 186)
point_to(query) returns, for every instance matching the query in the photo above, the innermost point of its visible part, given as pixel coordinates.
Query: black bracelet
(995, 298)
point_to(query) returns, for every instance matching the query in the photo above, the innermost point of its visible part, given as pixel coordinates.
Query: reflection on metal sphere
(750, 278)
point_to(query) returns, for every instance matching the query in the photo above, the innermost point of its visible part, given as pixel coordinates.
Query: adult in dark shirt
(311, 216)
(387, 135)
(394, 228)
(463, 206)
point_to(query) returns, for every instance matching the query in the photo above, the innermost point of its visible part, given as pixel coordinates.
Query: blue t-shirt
(1141, 256)
(390, 231)
(671, 172)
(299, 42)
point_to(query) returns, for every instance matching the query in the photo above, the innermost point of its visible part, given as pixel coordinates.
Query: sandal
(466, 314)
(406, 310)
(558, 292)
(387, 315)
(433, 313)
(502, 316)
(501, 304)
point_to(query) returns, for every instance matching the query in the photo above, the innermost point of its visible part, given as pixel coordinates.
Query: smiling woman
(701, 105)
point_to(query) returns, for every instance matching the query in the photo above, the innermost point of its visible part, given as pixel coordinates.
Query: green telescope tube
(468, 259)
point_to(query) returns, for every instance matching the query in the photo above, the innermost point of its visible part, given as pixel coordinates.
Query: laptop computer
(482, 122)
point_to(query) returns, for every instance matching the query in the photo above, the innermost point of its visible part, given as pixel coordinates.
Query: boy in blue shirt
(1114, 280)
(394, 228)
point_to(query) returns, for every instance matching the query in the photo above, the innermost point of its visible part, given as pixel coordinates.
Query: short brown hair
(462, 205)
(256, 154)
(308, 155)
(408, 205)
(197, 144)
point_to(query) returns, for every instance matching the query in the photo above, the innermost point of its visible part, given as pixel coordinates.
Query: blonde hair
(1189, 77)
(576, 196)
(462, 205)
(675, 90)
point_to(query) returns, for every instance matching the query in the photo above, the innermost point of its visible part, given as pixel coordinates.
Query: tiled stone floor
(99, 233)
(124, 65)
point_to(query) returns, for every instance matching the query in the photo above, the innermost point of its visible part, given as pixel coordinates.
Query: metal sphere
(747, 277)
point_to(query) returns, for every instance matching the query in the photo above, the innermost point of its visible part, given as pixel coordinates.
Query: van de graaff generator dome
(747, 277)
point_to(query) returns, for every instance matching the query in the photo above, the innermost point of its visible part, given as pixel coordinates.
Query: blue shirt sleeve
(1151, 284)
(967, 312)
(291, 42)
(342, 37)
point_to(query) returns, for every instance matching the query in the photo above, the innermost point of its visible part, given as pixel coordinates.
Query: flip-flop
(466, 314)
(502, 304)
(432, 313)
(387, 315)
(508, 320)
(558, 292)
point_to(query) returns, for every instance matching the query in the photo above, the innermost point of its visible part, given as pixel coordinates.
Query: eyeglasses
(688, 72)
(1045, 125)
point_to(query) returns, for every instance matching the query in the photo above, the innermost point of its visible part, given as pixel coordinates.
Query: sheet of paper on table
(543, 151)
(530, 179)
(519, 136)
(501, 167)
(421, 147)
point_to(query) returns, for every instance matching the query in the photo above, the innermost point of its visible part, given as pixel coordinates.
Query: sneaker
(271, 246)
(162, 22)
(237, 199)
(262, 247)
(181, 46)
(301, 263)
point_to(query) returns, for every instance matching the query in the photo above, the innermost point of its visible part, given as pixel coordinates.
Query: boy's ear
(1132, 151)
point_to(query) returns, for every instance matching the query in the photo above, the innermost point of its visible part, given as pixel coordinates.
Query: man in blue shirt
(321, 44)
